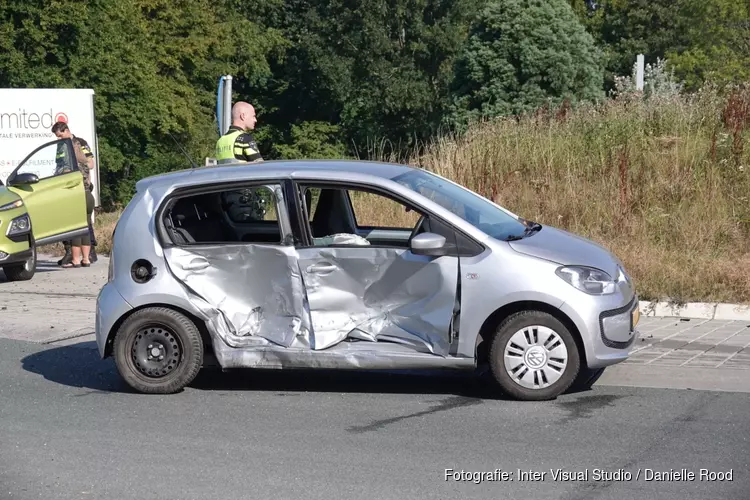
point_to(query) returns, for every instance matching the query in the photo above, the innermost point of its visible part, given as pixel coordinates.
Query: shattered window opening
(244, 215)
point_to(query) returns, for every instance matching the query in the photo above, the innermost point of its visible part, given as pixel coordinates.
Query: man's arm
(86, 149)
(88, 154)
(250, 152)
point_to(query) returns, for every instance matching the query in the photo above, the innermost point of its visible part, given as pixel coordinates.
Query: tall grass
(662, 182)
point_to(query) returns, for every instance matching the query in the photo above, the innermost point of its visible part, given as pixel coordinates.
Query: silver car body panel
(110, 307)
(380, 294)
(264, 306)
(249, 291)
(348, 355)
(566, 248)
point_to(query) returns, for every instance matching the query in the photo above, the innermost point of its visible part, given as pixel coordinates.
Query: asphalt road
(71, 429)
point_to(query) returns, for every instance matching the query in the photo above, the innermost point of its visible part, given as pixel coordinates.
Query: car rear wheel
(533, 356)
(158, 351)
(24, 271)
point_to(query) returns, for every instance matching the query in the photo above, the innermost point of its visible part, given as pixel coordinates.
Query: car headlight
(19, 225)
(11, 205)
(587, 279)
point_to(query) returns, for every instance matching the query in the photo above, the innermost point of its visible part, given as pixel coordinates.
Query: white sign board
(27, 115)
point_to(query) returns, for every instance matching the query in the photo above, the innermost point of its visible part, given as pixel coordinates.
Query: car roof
(275, 168)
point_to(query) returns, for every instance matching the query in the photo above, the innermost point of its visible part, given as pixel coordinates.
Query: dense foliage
(333, 78)
(521, 52)
(703, 39)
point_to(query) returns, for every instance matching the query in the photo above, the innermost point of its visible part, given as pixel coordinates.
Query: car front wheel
(24, 271)
(533, 356)
(158, 350)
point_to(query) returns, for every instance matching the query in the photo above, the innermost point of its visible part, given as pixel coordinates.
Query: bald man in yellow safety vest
(238, 143)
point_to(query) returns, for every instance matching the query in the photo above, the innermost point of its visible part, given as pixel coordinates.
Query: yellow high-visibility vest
(225, 146)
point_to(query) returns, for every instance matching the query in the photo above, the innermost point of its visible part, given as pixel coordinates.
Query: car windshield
(471, 207)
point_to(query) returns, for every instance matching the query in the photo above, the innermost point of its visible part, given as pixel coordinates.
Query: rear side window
(246, 215)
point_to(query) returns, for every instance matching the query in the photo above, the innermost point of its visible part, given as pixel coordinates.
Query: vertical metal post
(227, 111)
(220, 105)
(639, 70)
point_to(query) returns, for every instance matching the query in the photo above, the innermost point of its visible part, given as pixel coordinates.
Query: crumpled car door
(380, 294)
(255, 289)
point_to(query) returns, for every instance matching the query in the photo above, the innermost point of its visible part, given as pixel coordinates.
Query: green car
(42, 202)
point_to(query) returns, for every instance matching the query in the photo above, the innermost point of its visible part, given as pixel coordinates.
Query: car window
(246, 215)
(352, 216)
(471, 207)
(373, 210)
(250, 205)
(312, 196)
(52, 160)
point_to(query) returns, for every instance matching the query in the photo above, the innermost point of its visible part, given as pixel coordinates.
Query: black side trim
(614, 312)
(19, 237)
(62, 236)
(295, 211)
(17, 258)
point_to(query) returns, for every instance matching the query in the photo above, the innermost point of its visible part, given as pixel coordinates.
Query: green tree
(701, 39)
(370, 69)
(719, 48)
(522, 54)
(153, 65)
(626, 28)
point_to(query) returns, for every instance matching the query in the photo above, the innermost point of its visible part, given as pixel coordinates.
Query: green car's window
(53, 159)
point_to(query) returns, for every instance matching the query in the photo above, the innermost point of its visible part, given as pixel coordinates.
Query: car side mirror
(430, 244)
(23, 179)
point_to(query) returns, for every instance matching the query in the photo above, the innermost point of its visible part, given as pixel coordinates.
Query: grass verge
(662, 183)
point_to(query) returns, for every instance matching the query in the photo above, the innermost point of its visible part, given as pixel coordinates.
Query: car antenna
(183, 150)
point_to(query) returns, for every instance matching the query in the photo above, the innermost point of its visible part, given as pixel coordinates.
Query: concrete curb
(696, 310)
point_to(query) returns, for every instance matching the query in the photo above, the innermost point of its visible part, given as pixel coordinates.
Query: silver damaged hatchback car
(354, 265)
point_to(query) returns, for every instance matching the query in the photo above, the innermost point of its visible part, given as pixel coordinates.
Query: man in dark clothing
(85, 161)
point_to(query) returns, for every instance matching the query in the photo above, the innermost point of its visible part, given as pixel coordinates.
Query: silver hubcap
(535, 357)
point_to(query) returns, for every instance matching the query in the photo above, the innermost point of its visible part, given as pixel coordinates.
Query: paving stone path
(692, 343)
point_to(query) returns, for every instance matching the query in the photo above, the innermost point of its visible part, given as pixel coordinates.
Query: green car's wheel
(24, 271)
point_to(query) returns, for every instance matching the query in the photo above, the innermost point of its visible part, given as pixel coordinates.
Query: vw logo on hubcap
(535, 357)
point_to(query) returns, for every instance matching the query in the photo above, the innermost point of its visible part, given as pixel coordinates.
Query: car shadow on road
(76, 365)
(79, 365)
(468, 385)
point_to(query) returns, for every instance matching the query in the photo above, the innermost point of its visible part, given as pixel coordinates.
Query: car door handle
(72, 184)
(196, 264)
(321, 268)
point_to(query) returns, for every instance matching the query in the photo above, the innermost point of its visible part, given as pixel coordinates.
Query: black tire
(506, 330)
(22, 272)
(179, 340)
